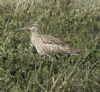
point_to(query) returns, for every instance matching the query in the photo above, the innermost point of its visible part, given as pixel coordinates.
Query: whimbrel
(46, 44)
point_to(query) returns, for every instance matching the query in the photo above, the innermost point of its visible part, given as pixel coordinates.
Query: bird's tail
(72, 52)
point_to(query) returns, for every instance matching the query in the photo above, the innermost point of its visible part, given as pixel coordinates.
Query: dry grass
(73, 21)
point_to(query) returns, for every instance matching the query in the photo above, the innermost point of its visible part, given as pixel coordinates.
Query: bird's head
(33, 28)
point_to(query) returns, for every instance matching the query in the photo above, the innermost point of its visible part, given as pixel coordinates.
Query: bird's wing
(47, 39)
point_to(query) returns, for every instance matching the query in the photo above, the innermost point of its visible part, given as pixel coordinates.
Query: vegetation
(74, 21)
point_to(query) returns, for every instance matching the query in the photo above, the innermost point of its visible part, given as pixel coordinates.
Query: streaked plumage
(46, 44)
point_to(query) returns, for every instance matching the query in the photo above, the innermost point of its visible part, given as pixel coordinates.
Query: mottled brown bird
(46, 44)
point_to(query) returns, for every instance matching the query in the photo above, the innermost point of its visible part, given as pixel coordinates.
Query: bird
(47, 44)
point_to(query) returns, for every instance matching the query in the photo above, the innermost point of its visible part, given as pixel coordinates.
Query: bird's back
(46, 44)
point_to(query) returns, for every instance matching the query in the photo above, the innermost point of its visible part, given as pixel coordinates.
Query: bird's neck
(35, 35)
(35, 38)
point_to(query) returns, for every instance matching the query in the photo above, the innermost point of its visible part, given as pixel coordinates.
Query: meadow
(76, 22)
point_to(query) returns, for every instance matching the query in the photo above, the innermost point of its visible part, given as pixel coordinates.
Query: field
(76, 22)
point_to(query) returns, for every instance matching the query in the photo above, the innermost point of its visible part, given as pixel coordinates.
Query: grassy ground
(74, 21)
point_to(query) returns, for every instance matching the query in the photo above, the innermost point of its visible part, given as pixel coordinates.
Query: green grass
(74, 21)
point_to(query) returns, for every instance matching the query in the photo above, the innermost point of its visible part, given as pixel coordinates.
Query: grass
(74, 21)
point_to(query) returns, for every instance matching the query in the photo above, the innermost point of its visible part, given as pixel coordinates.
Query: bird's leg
(51, 60)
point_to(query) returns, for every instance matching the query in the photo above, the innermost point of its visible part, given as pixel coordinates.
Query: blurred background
(76, 22)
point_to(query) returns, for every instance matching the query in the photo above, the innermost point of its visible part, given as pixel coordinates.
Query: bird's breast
(37, 43)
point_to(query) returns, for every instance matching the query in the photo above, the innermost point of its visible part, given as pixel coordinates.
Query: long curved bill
(22, 29)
